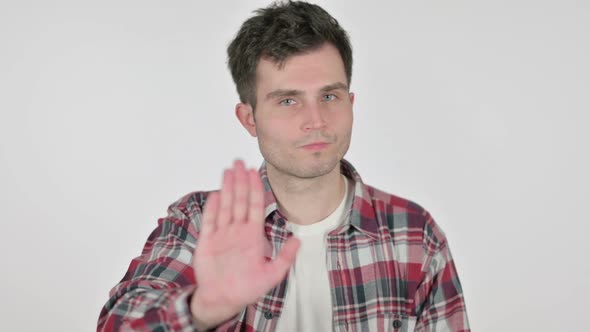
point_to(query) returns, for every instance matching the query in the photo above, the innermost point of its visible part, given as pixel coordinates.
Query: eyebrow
(334, 86)
(292, 92)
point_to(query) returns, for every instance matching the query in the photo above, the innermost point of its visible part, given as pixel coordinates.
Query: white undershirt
(308, 303)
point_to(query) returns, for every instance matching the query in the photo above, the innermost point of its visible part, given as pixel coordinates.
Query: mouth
(317, 146)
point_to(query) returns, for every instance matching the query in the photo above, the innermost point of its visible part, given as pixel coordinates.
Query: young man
(302, 244)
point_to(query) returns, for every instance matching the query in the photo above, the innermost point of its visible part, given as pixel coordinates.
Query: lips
(316, 146)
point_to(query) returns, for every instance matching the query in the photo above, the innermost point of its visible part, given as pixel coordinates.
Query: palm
(229, 261)
(232, 264)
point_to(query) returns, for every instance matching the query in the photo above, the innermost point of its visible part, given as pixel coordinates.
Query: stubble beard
(314, 165)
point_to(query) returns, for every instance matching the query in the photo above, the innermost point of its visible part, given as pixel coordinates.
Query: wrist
(199, 313)
(209, 314)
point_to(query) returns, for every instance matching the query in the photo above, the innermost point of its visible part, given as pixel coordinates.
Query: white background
(477, 110)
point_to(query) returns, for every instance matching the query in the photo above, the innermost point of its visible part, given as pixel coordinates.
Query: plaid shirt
(390, 269)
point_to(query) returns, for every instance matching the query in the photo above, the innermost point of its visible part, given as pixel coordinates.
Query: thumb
(278, 268)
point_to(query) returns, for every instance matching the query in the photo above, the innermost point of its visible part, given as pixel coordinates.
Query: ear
(351, 96)
(245, 115)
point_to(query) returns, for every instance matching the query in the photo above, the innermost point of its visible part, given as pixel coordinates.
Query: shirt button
(281, 222)
(397, 324)
(268, 315)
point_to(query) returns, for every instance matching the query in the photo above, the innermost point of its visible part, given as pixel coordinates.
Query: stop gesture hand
(229, 262)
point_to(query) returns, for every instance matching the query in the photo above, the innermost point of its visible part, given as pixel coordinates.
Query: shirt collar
(362, 212)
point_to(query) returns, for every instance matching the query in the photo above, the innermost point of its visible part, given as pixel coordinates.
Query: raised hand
(229, 263)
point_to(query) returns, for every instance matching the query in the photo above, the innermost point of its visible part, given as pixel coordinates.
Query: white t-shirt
(308, 303)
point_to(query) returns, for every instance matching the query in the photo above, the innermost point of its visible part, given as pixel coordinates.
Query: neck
(306, 201)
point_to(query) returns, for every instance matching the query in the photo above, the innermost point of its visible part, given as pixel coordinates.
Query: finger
(278, 268)
(208, 224)
(240, 206)
(256, 198)
(225, 200)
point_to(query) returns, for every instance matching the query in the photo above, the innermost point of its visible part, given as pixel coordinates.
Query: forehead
(307, 71)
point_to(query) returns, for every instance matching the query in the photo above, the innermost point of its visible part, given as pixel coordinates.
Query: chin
(313, 169)
(304, 165)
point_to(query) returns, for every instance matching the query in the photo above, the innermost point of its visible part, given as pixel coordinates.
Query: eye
(287, 102)
(329, 97)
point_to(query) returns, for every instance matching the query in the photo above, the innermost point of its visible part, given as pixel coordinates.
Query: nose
(314, 117)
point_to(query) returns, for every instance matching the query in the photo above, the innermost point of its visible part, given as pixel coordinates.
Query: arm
(439, 299)
(169, 288)
(156, 290)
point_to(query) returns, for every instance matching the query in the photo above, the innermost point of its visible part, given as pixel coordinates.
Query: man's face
(305, 102)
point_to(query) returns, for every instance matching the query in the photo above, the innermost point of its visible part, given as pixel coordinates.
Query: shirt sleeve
(439, 299)
(155, 293)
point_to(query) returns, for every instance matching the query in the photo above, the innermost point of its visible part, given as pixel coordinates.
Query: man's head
(277, 32)
(292, 63)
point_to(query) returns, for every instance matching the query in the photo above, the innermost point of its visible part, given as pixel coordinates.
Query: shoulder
(187, 211)
(404, 220)
(190, 203)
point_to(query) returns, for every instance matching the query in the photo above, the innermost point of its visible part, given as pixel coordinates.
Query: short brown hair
(282, 29)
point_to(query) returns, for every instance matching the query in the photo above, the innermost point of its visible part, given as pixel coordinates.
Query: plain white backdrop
(477, 110)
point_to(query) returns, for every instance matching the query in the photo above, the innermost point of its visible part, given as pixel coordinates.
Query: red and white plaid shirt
(390, 269)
